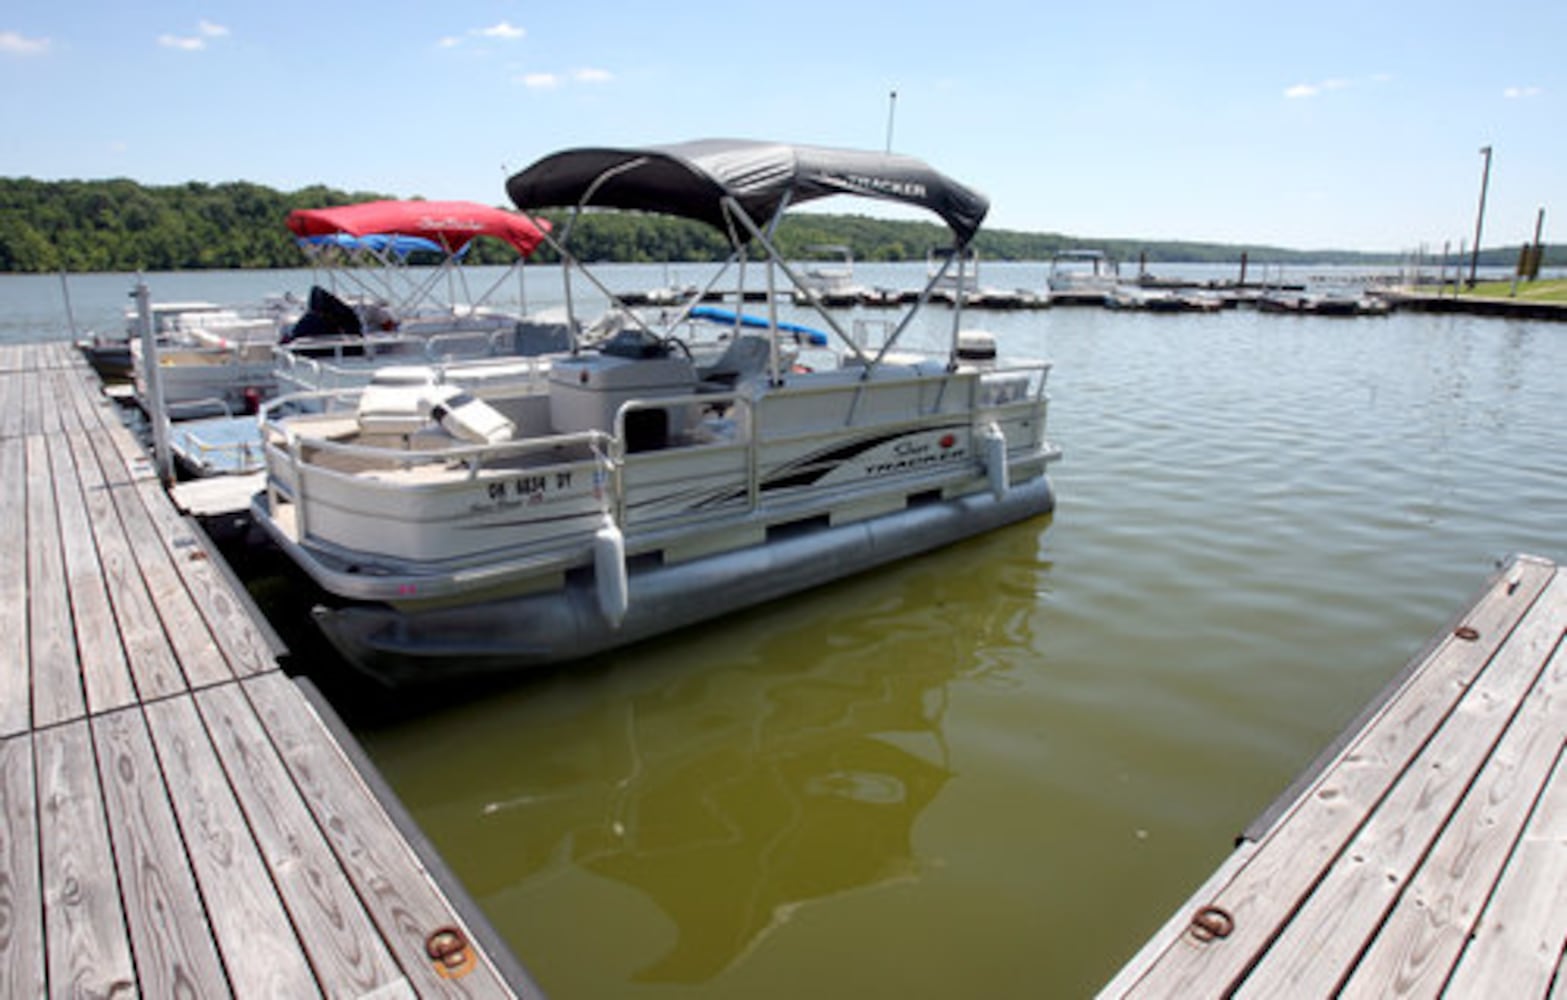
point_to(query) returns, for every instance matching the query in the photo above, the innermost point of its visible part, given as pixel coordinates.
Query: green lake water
(995, 770)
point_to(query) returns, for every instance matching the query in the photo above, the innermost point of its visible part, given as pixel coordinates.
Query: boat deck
(180, 817)
(1425, 854)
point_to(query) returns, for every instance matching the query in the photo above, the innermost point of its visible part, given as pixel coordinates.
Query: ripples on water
(993, 771)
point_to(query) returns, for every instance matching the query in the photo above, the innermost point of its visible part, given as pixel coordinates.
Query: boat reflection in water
(729, 778)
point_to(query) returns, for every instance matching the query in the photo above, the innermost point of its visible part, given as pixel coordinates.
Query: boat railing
(720, 426)
(871, 334)
(343, 369)
(196, 409)
(474, 457)
(730, 419)
(292, 447)
(200, 452)
(481, 343)
(1019, 381)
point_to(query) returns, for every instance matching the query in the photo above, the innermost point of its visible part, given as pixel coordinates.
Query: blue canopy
(397, 243)
(716, 314)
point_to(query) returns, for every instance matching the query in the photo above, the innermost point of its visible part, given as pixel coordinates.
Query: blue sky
(1345, 125)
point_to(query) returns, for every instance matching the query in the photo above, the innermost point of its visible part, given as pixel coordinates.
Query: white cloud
(17, 44)
(590, 75)
(504, 30)
(1521, 93)
(205, 29)
(184, 43)
(1303, 90)
(539, 81)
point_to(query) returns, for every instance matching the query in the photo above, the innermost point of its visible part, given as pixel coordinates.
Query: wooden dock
(1474, 305)
(180, 817)
(1425, 854)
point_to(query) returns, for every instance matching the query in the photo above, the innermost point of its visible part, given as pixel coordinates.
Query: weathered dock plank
(170, 935)
(21, 895)
(15, 676)
(260, 950)
(11, 402)
(199, 660)
(1382, 872)
(1421, 941)
(150, 656)
(159, 835)
(89, 952)
(1346, 907)
(106, 675)
(1518, 944)
(246, 651)
(344, 948)
(56, 681)
(396, 889)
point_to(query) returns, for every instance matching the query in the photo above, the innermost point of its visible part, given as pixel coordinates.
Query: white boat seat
(746, 355)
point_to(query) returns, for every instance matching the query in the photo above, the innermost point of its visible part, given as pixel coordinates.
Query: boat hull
(402, 648)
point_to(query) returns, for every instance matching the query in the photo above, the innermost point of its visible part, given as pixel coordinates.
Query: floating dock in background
(1515, 308)
(180, 817)
(1426, 851)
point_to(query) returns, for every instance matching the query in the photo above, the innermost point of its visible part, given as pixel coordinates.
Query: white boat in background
(1082, 277)
(642, 486)
(216, 360)
(961, 287)
(830, 282)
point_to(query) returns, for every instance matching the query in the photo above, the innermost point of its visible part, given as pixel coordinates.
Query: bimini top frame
(389, 231)
(739, 186)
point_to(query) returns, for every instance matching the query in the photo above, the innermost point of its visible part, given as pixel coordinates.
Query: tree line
(122, 225)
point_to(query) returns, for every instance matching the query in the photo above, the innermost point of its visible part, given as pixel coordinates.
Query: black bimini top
(692, 179)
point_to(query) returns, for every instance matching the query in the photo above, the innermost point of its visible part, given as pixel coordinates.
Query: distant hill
(121, 225)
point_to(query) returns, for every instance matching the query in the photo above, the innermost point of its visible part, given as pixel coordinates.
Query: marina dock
(1424, 853)
(181, 817)
(1514, 308)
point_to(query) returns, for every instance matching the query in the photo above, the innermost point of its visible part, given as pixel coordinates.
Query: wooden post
(1539, 251)
(1243, 270)
(153, 379)
(70, 316)
(1485, 181)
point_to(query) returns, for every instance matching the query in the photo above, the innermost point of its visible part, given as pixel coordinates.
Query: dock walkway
(1425, 854)
(179, 817)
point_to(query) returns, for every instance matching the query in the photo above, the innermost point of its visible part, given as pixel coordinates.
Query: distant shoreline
(121, 226)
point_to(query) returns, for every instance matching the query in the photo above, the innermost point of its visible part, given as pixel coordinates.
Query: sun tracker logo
(882, 186)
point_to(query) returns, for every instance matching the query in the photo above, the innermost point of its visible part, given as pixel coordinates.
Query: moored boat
(1081, 277)
(643, 486)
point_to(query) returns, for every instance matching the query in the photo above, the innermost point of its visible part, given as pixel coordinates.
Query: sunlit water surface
(993, 771)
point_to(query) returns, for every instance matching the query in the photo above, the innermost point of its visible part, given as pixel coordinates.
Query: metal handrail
(607, 448)
(617, 441)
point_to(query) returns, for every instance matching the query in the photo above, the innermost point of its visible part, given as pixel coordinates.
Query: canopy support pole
(759, 236)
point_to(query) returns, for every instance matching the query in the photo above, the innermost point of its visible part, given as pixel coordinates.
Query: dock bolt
(1211, 923)
(449, 951)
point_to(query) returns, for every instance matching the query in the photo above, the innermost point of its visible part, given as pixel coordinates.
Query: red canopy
(449, 223)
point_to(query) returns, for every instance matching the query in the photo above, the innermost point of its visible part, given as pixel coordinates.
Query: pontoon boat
(642, 487)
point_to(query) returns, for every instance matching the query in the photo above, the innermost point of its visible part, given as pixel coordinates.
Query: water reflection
(732, 775)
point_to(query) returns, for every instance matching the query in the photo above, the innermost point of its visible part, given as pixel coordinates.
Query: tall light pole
(892, 107)
(1485, 180)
